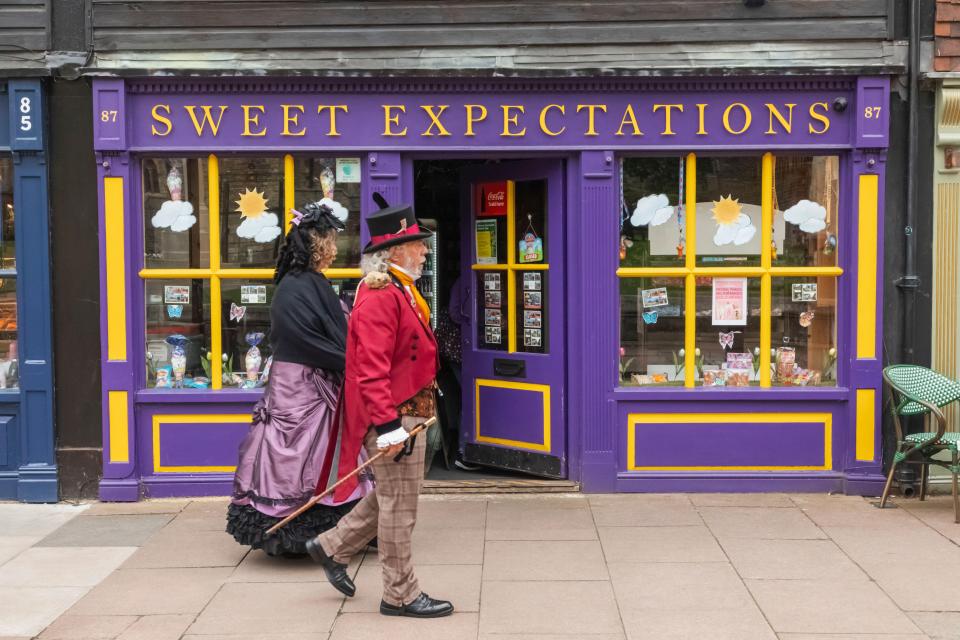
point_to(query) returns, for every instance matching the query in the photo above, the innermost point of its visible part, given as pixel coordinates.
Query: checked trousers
(389, 512)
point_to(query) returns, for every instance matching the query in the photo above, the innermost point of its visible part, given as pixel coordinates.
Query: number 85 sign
(26, 116)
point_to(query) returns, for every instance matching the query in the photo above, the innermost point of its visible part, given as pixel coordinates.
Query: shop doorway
(498, 276)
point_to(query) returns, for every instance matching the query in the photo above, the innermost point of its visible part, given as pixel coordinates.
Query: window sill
(190, 396)
(730, 393)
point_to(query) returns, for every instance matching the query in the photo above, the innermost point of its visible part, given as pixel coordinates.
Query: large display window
(728, 271)
(9, 362)
(212, 229)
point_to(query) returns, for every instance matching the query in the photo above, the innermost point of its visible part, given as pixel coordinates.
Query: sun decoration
(727, 211)
(251, 204)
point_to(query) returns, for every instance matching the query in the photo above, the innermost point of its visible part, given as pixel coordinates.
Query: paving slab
(373, 626)
(544, 560)
(643, 510)
(573, 608)
(679, 587)
(26, 611)
(261, 636)
(728, 624)
(543, 519)
(153, 591)
(63, 566)
(851, 636)
(791, 560)
(822, 606)
(939, 625)
(460, 584)
(177, 547)
(259, 567)
(924, 585)
(548, 636)
(741, 500)
(760, 523)
(106, 531)
(257, 608)
(161, 627)
(660, 544)
(74, 627)
(455, 514)
(447, 546)
(144, 507)
(17, 519)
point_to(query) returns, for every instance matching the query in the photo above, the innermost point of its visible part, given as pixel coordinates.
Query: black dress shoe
(423, 607)
(336, 573)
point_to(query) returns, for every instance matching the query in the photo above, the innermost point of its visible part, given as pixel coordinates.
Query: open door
(514, 367)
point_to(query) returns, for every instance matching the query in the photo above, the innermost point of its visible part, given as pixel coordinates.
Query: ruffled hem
(247, 526)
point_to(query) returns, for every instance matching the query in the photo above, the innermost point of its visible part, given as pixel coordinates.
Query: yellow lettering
(472, 119)
(629, 117)
(543, 119)
(389, 119)
(747, 118)
(252, 119)
(591, 113)
(293, 119)
(207, 118)
(786, 123)
(155, 112)
(668, 109)
(701, 112)
(332, 131)
(820, 117)
(509, 119)
(435, 119)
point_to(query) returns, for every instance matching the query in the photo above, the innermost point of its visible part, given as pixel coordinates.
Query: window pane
(804, 331)
(315, 179)
(530, 199)
(728, 331)
(245, 317)
(178, 333)
(805, 200)
(9, 361)
(175, 215)
(346, 289)
(728, 211)
(533, 320)
(492, 310)
(651, 331)
(8, 256)
(653, 229)
(251, 212)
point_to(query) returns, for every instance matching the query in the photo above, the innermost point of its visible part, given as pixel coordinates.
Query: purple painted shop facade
(569, 405)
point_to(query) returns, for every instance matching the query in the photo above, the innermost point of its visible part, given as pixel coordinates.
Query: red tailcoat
(391, 356)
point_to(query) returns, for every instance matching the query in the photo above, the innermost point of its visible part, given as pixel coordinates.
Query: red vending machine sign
(492, 199)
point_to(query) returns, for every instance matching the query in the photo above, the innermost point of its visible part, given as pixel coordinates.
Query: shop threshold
(500, 485)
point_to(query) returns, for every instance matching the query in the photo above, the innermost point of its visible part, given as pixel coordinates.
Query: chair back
(918, 388)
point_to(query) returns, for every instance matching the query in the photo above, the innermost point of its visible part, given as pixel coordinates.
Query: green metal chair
(919, 391)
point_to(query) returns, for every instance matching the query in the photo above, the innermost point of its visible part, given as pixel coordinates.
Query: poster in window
(532, 338)
(176, 294)
(491, 282)
(492, 199)
(533, 319)
(531, 282)
(804, 292)
(492, 335)
(654, 297)
(491, 299)
(492, 317)
(348, 170)
(532, 300)
(730, 302)
(253, 294)
(486, 236)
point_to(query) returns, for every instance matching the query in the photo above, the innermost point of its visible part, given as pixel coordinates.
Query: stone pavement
(600, 567)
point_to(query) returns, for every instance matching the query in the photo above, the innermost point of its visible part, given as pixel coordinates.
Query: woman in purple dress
(291, 444)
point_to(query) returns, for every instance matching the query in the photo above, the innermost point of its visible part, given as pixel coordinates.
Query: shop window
(9, 362)
(207, 294)
(749, 296)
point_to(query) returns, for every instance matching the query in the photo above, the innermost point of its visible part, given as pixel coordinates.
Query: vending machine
(428, 283)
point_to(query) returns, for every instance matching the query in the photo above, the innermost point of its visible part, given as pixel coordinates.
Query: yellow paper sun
(727, 210)
(251, 204)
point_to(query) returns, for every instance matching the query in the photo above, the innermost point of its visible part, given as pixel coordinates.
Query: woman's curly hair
(311, 241)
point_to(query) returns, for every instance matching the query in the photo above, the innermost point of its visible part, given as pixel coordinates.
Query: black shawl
(308, 323)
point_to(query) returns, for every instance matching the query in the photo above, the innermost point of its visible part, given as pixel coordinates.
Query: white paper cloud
(262, 229)
(739, 232)
(339, 211)
(809, 216)
(651, 210)
(174, 214)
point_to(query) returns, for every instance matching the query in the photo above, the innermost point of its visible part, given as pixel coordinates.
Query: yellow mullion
(489, 267)
(530, 267)
(511, 264)
(690, 330)
(172, 274)
(289, 195)
(691, 210)
(766, 304)
(213, 187)
(346, 274)
(216, 337)
(652, 272)
(253, 274)
(799, 272)
(690, 284)
(729, 272)
(766, 210)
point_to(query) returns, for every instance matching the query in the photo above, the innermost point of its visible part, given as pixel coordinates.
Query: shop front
(662, 285)
(28, 470)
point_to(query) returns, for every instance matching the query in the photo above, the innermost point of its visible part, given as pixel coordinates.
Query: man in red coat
(388, 390)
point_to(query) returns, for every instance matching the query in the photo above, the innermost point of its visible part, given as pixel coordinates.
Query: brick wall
(947, 32)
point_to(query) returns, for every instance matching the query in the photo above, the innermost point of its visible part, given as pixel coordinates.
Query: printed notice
(348, 170)
(486, 241)
(730, 301)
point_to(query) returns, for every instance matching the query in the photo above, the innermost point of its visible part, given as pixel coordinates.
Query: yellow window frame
(690, 271)
(215, 274)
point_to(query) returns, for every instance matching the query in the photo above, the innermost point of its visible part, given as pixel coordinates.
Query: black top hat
(392, 226)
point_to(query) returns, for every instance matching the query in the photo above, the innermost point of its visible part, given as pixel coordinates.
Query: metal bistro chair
(920, 391)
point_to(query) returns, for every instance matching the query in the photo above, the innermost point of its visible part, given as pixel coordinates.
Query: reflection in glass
(653, 232)
(651, 331)
(245, 318)
(9, 361)
(251, 212)
(178, 334)
(803, 332)
(728, 211)
(315, 179)
(175, 214)
(805, 201)
(728, 331)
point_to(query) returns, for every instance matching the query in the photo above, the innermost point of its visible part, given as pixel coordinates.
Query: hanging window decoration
(328, 183)
(652, 210)
(258, 224)
(175, 214)
(733, 226)
(531, 246)
(808, 215)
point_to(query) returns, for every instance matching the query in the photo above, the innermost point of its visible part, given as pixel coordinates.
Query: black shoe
(423, 607)
(336, 572)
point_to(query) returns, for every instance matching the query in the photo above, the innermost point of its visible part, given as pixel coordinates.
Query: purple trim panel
(514, 414)
(205, 445)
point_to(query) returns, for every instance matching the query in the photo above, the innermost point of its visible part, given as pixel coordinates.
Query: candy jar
(253, 359)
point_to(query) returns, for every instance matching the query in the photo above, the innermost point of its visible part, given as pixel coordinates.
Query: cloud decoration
(176, 215)
(809, 216)
(340, 212)
(738, 232)
(264, 228)
(651, 210)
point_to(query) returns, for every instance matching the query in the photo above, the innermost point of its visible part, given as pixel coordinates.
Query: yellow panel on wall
(118, 427)
(116, 268)
(866, 425)
(867, 267)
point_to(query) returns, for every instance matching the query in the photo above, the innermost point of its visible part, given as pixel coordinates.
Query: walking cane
(317, 498)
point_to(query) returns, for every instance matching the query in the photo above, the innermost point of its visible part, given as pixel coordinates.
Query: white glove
(397, 436)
